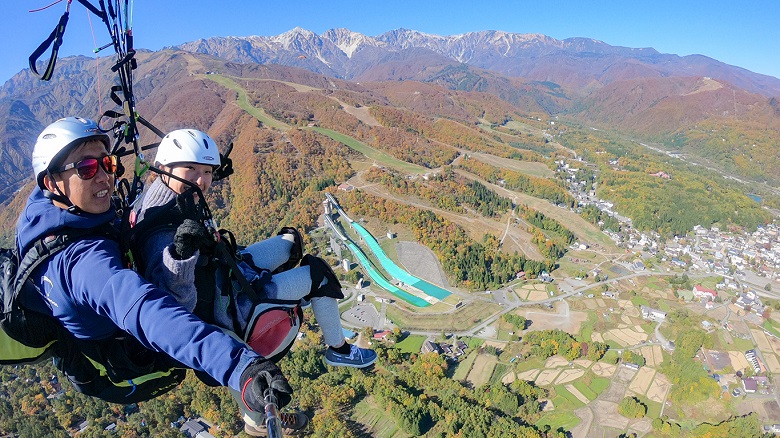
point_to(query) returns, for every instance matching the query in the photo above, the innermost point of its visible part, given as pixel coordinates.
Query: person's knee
(295, 239)
(324, 282)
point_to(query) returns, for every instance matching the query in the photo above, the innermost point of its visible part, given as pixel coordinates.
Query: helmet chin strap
(60, 197)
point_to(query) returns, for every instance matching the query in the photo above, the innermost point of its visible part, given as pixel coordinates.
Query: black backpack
(26, 336)
(101, 369)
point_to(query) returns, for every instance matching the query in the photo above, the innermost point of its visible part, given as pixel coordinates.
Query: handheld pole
(272, 421)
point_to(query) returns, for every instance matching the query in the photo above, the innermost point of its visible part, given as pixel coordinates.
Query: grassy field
(243, 102)
(558, 419)
(459, 320)
(648, 327)
(368, 412)
(610, 357)
(523, 127)
(530, 364)
(411, 344)
(473, 342)
(374, 154)
(565, 399)
(464, 366)
(657, 284)
(653, 408)
(538, 170)
(482, 369)
(388, 246)
(599, 384)
(586, 328)
(772, 327)
(710, 282)
(640, 301)
(613, 344)
(663, 305)
(585, 390)
(499, 372)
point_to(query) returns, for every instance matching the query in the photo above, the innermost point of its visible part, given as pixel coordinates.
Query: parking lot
(362, 315)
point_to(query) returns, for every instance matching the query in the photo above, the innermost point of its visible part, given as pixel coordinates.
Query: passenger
(113, 313)
(174, 255)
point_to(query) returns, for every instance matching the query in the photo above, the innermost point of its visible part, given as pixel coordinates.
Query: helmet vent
(176, 142)
(205, 143)
(49, 136)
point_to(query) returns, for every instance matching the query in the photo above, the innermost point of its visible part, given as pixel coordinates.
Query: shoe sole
(255, 431)
(341, 364)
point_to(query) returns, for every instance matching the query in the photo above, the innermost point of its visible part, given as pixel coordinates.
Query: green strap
(133, 382)
(14, 352)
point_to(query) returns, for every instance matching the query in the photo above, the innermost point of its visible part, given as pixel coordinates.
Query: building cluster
(709, 250)
(752, 385)
(723, 252)
(749, 301)
(453, 350)
(712, 250)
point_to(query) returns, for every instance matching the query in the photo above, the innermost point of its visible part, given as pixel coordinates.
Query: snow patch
(322, 58)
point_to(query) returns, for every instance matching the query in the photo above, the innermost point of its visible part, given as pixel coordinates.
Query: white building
(652, 314)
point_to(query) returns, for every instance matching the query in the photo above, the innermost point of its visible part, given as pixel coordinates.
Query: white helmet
(57, 139)
(187, 146)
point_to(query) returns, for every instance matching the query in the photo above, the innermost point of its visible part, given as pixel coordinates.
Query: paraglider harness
(273, 324)
(117, 369)
(110, 370)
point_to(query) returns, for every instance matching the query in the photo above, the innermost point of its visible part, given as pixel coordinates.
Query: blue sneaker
(357, 357)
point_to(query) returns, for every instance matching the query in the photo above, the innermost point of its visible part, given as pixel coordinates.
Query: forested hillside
(711, 121)
(629, 176)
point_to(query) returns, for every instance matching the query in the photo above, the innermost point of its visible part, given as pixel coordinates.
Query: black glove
(319, 270)
(263, 376)
(296, 252)
(225, 168)
(186, 207)
(191, 236)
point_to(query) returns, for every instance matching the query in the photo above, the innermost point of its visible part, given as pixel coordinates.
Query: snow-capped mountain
(575, 63)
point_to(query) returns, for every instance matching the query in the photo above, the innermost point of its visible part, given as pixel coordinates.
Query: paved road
(661, 338)
(509, 304)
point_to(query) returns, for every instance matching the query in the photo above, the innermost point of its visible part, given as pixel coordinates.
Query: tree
(596, 350)
(631, 407)
(517, 321)
(353, 276)
(634, 358)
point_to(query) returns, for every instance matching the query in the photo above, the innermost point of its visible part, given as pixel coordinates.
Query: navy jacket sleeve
(99, 282)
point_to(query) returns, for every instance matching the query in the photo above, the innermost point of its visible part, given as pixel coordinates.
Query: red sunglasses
(87, 168)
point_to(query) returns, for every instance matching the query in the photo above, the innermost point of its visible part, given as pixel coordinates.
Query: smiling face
(198, 174)
(90, 195)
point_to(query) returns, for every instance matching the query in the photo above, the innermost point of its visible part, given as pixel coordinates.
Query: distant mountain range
(579, 64)
(688, 104)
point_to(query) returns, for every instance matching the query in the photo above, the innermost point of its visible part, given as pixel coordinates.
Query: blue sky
(745, 34)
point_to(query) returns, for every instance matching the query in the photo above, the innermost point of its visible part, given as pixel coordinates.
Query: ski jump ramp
(432, 292)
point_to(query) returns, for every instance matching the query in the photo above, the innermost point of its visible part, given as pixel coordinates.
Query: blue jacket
(88, 290)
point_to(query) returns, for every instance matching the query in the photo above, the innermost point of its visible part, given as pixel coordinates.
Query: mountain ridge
(346, 54)
(586, 80)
